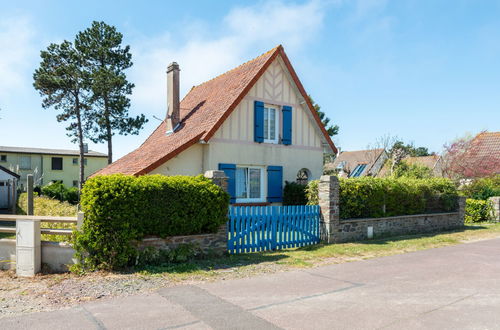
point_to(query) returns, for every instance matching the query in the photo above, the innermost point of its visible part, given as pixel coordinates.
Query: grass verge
(264, 262)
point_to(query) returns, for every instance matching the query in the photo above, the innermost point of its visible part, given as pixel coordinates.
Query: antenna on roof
(162, 120)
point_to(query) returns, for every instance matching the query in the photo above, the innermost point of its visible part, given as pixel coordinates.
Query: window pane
(266, 123)
(254, 183)
(272, 124)
(241, 182)
(57, 163)
(25, 162)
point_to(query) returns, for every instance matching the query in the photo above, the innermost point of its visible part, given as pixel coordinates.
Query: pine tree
(61, 82)
(106, 61)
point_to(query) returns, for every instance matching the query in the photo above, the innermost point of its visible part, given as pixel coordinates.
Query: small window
(341, 165)
(85, 161)
(25, 162)
(303, 176)
(75, 161)
(358, 170)
(249, 184)
(57, 163)
(3, 158)
(75, 183)
(271, 127)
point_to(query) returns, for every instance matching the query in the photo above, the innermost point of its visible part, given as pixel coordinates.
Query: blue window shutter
(230, 171)
(287, 125)
(258, 122)
(275, 184)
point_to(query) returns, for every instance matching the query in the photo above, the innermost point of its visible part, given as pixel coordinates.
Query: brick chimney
(173, 106)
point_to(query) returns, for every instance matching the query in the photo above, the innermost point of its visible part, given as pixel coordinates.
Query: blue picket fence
(264, 228)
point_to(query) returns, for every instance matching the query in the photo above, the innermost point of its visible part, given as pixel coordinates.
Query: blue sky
(427, 71)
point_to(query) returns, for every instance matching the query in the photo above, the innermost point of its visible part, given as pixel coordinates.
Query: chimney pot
(173, 101)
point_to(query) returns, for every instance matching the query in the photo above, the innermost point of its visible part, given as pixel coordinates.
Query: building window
(25, 162)
(303, 176)
(3, 158)
(271, 126)
(57, 163)
(85, 161)
(75, 183)
(249, 184)
(75, 161)
(358, 170)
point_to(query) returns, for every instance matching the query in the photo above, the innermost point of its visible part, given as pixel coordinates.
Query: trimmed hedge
(59, 191)
(477, 210)
(369, 197)
(121, 209)
(294, 194)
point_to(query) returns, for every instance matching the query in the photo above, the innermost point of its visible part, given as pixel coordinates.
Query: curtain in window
(241, 182)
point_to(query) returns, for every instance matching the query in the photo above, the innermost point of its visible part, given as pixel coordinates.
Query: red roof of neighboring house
(487, 143)
(203, 110)
(351, 159)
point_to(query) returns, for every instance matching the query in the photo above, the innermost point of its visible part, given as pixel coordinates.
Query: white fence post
(79, 220)
(28, 247)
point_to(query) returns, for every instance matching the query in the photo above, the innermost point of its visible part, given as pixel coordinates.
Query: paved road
(448, 288)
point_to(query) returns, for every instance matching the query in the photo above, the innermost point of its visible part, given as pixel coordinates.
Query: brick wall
(495, 204)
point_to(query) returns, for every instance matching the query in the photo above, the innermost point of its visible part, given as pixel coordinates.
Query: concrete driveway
(454, 287)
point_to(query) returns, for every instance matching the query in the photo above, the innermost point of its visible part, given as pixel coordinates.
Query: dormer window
(271, 124)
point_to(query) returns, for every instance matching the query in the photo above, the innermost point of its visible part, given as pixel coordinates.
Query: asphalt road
(454, 287)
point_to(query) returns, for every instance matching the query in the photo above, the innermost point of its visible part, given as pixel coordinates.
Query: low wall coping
(396, 217)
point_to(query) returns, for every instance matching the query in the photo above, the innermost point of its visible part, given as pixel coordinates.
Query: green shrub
(477, 210)
(294, 194)
(369, 197)
(483, 188)
(57, 190)
(412, 171)
(121, 209)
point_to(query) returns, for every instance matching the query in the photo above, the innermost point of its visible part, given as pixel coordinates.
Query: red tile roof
(203, 110)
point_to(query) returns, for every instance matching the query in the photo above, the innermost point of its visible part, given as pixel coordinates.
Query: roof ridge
(242, 64)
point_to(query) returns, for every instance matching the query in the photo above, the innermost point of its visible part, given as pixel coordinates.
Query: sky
(426, 71)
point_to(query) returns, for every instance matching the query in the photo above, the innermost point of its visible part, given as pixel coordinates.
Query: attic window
(3, 158)
(358, 170)
(270, 124)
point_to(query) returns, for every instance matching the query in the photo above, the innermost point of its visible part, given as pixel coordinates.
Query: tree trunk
(80, 145)
(109, 135)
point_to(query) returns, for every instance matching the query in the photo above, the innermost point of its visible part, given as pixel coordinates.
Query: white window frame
(252, 200)
(276, 124)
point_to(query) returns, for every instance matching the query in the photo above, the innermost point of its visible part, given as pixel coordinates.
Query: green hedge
(59, 191)
(120, 209)
(482, 188)
(369, 197)
(294, 194)
(477, 210)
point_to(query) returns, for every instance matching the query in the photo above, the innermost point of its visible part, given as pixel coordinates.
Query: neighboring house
(359, 163)
(254, 122)
(49, 165)
(433, 162)
(8, 188)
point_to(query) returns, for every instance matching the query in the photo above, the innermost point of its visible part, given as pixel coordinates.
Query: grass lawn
(247, 264)
(46, 206)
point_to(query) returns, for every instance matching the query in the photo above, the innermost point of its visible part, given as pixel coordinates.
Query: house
(433, 162)
(254, 122)
(358, 163)
(8, 189)
(49, 165)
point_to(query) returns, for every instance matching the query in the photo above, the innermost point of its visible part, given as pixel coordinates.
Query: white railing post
(79, 220)
(28, 247)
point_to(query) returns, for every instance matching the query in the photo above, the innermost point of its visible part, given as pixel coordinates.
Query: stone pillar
(28, 247)
(461, 210)
(328, 195)
(218, 177)
(495, 205)
(29, 184)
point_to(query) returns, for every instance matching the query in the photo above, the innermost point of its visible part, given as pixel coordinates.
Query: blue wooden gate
(261, 228)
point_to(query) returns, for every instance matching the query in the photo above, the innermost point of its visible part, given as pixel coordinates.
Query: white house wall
(234, 140)
(188, 162)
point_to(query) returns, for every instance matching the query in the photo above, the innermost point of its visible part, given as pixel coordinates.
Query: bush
(412, 171)
(312, 192)
(477, 210)
(57, 190)
(294, 194)
(370, 197)
(121, 209)
(483, 188)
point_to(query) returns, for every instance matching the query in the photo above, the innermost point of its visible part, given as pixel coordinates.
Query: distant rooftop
(44, 151)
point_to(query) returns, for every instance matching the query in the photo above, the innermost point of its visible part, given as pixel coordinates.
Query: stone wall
(208, 243)
(335, 230)
(357, 229)
(495, 204)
